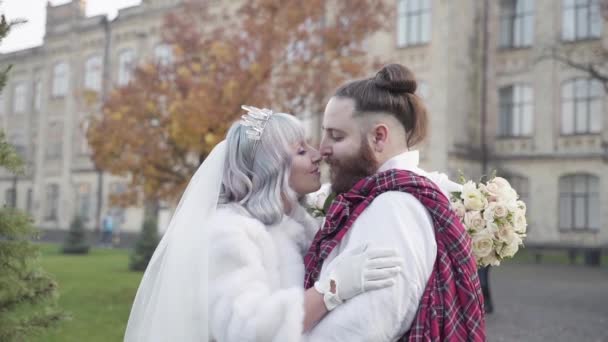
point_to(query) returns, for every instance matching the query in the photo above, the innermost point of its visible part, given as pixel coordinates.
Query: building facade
(498, 102)
(44, 109)
(495, 102)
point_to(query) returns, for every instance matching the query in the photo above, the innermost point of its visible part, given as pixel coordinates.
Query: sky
(34, 11)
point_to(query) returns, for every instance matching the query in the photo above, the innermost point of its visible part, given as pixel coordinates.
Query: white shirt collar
(405, 161)
(409, 161)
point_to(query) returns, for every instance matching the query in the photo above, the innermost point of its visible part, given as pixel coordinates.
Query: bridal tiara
(255, 119)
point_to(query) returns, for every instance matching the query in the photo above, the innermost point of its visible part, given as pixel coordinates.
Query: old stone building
(494, 103)
(43, 109)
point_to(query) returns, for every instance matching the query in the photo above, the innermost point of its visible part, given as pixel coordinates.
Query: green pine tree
(145, 246)
(76, 240)
(27, 294)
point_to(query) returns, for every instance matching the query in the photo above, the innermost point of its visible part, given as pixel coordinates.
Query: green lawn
(97, 290)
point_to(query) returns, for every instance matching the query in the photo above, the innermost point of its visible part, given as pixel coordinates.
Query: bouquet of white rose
(491, 213)
(494, 218)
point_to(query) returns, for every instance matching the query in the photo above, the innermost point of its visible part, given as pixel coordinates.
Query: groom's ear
(380, 137)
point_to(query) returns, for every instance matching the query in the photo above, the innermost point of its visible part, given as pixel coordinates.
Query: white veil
(171, 302)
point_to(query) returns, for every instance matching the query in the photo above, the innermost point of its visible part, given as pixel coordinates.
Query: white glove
(356, 271)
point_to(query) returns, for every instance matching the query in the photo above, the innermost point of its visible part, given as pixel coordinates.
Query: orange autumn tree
(287, 54)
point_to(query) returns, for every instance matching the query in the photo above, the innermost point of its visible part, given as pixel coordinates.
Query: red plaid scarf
(451, 308)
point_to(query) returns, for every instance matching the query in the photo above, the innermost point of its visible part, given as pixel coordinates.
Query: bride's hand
(358, 270)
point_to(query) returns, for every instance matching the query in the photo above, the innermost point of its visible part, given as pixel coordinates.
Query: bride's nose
(316, 156)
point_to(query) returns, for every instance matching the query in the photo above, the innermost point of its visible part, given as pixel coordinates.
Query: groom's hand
(356, 271)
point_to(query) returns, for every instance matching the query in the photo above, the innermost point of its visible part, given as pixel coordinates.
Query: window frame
(574, 100)
(517, 106)
(567, 192)
(515, 22)
(571, 12)
(405, 22)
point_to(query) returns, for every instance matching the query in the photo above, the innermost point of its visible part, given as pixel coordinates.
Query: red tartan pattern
(451, 308)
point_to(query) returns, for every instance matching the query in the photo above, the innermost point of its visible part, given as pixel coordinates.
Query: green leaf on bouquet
(488, 178)
(330, 198)
(461, 178)
(492, 175)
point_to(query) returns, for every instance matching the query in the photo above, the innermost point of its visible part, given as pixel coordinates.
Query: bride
(230, 266)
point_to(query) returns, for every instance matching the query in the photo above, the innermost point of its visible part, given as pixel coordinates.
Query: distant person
(484, 275)
(107, 229)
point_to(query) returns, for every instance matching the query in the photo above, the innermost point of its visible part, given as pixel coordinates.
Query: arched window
(93, 73)
(60, 79)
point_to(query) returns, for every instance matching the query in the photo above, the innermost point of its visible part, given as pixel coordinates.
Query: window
(20, 100)
(579, 202)
(93, 73)
(19, 143)
(52, 202)
(516, 114)
(83, 201)
(60, 80)
(29, 201)
(9, 198)
(581, 106)
(54, 145)
(126, 60)
(516, 23)
(37, 95)
(413, 22)
(581, 19)
(118, 212)
(163, 54)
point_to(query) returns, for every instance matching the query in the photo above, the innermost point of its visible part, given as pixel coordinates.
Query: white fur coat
(256, 276)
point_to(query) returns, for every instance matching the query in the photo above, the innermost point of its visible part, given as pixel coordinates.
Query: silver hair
(256, 173)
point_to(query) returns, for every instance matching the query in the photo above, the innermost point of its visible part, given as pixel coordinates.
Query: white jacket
(256, 276)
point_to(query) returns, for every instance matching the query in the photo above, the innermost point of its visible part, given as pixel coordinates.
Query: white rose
(317, 199)
(320, 201)
(506, 233)
(491, 227)
(488, 213)
(473, 198)
(500, 210)
(501, 182)
(310, 200)
(522, 205)
(507, 195)
(509, 250)
(492, 190)
(512, 206)
(475, 203)
(490, 259)
(468, 187)
(473, 221)
(520, 223)
(483, 244)
(459, 209)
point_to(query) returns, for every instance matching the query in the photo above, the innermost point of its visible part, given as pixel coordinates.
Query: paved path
(549, 303)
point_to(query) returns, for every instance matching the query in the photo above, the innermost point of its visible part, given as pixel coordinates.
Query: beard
(345, 173)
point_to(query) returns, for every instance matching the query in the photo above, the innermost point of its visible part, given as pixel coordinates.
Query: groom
(385, 199)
